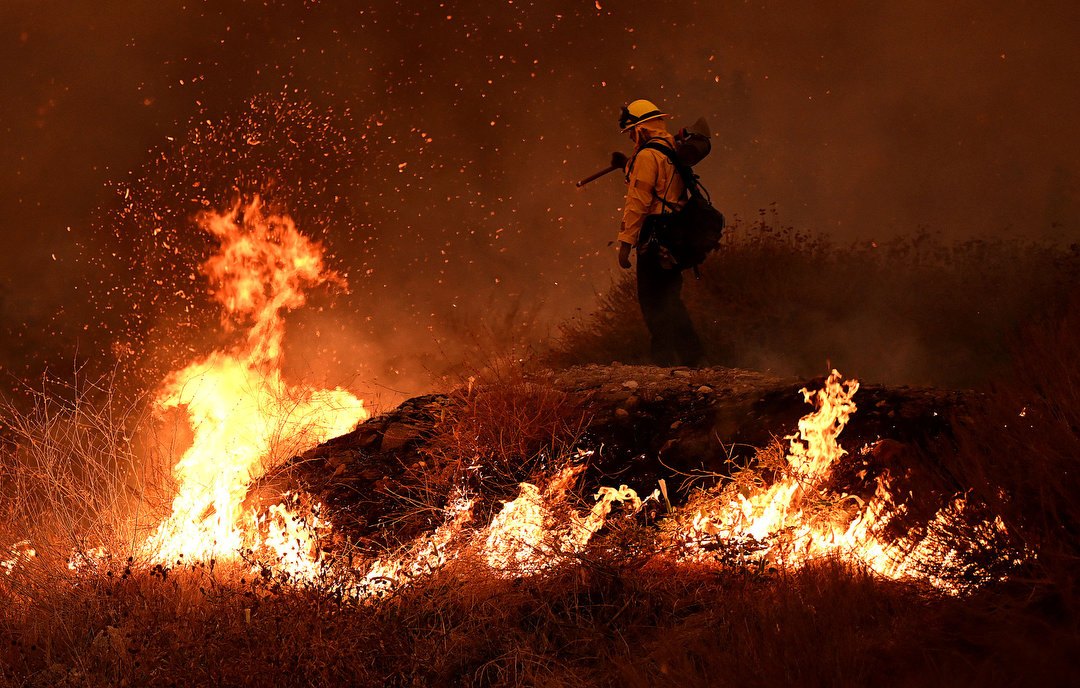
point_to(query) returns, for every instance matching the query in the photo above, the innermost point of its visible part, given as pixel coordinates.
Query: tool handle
(596, 176)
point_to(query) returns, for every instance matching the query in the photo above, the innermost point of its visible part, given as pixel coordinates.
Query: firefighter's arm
(624, 255)
(639, 197)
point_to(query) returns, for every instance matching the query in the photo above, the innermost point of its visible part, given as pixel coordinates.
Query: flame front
(526, 537)
(244, 416)
(777, 512)
(781, 522)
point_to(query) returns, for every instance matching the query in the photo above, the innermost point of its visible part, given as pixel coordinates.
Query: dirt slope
(640, 423)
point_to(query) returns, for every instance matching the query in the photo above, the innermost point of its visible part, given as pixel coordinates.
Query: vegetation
(620, 612)
(914, 310)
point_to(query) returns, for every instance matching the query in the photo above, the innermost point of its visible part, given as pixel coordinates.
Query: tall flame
(244, 416)
(779, 519)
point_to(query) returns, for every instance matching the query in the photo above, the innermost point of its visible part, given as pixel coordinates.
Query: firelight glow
(245, 419)
(779, 517)
(244, 416)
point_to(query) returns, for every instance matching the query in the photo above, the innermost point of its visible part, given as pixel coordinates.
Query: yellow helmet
(637, 112)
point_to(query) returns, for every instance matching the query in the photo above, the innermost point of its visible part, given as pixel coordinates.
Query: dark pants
(674, 340)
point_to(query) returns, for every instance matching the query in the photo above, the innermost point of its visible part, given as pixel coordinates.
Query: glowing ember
(17, 554)
(244, 416)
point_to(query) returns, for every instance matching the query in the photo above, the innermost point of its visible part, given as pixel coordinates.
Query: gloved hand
(624, 255)
(618, 159)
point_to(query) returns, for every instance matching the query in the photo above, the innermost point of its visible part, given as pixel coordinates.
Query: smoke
(433, 150)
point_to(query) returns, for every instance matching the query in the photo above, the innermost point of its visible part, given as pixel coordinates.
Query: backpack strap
(649, 143)
(690, 178)
(691, 181)
(658, 144)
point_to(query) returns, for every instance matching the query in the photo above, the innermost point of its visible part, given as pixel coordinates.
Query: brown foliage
(1019, 454)
(914, 310)
(595, 624)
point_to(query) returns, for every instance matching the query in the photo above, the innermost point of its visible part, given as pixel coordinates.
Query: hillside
(484, 537)
(635, 425)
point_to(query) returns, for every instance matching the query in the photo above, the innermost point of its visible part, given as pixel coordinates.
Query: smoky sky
(433, 147)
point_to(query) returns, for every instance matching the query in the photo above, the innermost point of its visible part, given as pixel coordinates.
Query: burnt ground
(385, 482)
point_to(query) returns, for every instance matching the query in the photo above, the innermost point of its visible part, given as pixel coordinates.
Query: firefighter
(651, 176)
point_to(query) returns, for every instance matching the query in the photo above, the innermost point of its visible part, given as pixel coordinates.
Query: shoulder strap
(648, 144)
(689, 177)
(685, 172)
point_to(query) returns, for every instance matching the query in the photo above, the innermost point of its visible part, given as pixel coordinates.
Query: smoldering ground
(433, 150)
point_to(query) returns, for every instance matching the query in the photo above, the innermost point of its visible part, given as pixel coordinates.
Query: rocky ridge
(638, 424)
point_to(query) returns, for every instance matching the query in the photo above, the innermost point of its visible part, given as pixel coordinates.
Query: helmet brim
(656, 114)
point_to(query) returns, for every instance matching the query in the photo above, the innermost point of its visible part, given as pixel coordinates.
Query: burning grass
(601, 622)
(624, 607)
(513, 568)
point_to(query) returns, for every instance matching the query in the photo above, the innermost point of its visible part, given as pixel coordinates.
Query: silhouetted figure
(654, 181)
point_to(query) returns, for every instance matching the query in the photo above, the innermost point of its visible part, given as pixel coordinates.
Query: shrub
(914, 310)
(1018, 451)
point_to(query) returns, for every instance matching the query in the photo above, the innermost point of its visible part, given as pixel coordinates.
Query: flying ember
(244, 416)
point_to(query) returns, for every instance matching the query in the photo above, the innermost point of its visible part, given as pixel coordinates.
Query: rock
(702, 420)
(397, 434)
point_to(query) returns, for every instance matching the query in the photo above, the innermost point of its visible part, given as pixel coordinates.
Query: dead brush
(614, 331)
(501, 428)
(76, 484)
(77, 496)
(914, 310)
(1018, 454)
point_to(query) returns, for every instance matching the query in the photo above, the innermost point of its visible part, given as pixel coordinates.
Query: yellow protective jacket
(650, 176)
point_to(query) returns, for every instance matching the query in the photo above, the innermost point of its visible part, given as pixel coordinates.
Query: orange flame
(526, 537)
(777, 517)
(532, 533)
(244, 416)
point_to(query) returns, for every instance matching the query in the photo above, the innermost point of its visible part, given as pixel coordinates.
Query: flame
(527, 536)
(531, 534)
(777, 513)
(426, 555)
(244, 416)
(780, 521)
(18, 553)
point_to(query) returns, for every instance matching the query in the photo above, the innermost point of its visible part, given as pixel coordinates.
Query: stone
(397, 434)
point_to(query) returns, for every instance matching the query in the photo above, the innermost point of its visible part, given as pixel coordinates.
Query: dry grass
(75, 484)
(1018, 452)
(511, 421)
(914, 310)
(501, 427)
(620, 613)
(600, 623)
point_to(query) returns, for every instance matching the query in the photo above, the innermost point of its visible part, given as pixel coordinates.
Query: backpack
(688, 233)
